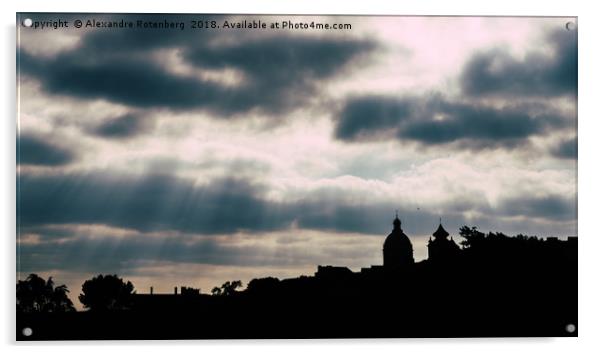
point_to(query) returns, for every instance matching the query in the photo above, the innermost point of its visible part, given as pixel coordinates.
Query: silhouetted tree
(263, 285)
(472, 236)
(35, 294)
(106, 293)
(227, 288)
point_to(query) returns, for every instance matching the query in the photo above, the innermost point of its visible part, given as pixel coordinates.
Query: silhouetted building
(397, 249)
(372, 269)
(442, 249)
(329, 271)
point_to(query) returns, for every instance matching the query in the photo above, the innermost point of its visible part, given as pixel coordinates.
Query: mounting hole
(570, 328)
(27, 331)
(570, 26)
(27, 22)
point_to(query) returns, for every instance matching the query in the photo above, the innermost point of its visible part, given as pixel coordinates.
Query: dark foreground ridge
(494, 285)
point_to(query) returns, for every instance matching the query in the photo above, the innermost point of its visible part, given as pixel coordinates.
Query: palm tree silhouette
(35, 294)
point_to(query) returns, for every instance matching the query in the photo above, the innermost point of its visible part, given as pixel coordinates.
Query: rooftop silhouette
(489, 285)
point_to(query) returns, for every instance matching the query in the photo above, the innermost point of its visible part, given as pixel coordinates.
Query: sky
(191, 157)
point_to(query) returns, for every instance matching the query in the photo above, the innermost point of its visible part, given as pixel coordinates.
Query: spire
(396, 222)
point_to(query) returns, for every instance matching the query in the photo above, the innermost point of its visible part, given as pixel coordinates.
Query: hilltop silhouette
(488, 285)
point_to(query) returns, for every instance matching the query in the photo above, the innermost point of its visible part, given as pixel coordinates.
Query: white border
(589, 170)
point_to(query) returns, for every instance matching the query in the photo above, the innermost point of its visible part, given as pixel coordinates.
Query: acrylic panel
(206, 176)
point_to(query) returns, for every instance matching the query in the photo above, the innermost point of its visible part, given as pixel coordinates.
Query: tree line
(101, 293)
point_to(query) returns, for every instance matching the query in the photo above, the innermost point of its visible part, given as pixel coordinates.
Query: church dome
(397, 249)
(397, 239)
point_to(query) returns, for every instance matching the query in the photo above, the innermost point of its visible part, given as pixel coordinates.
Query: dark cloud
(279, 72)
(460, 123)
(433, 120)
(368, 218)
(149, 203)
(496, 72)
(162, 203)
(566, 149)
(366, 118)
(126, 126)
(551, 207)
(131, 81)
(36, 150)
(116, 254)
(485, 126)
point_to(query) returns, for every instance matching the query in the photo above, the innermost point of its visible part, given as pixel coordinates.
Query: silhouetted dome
(397, 249)
(397, 240)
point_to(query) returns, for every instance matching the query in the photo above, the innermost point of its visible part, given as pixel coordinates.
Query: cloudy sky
(191, 157)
